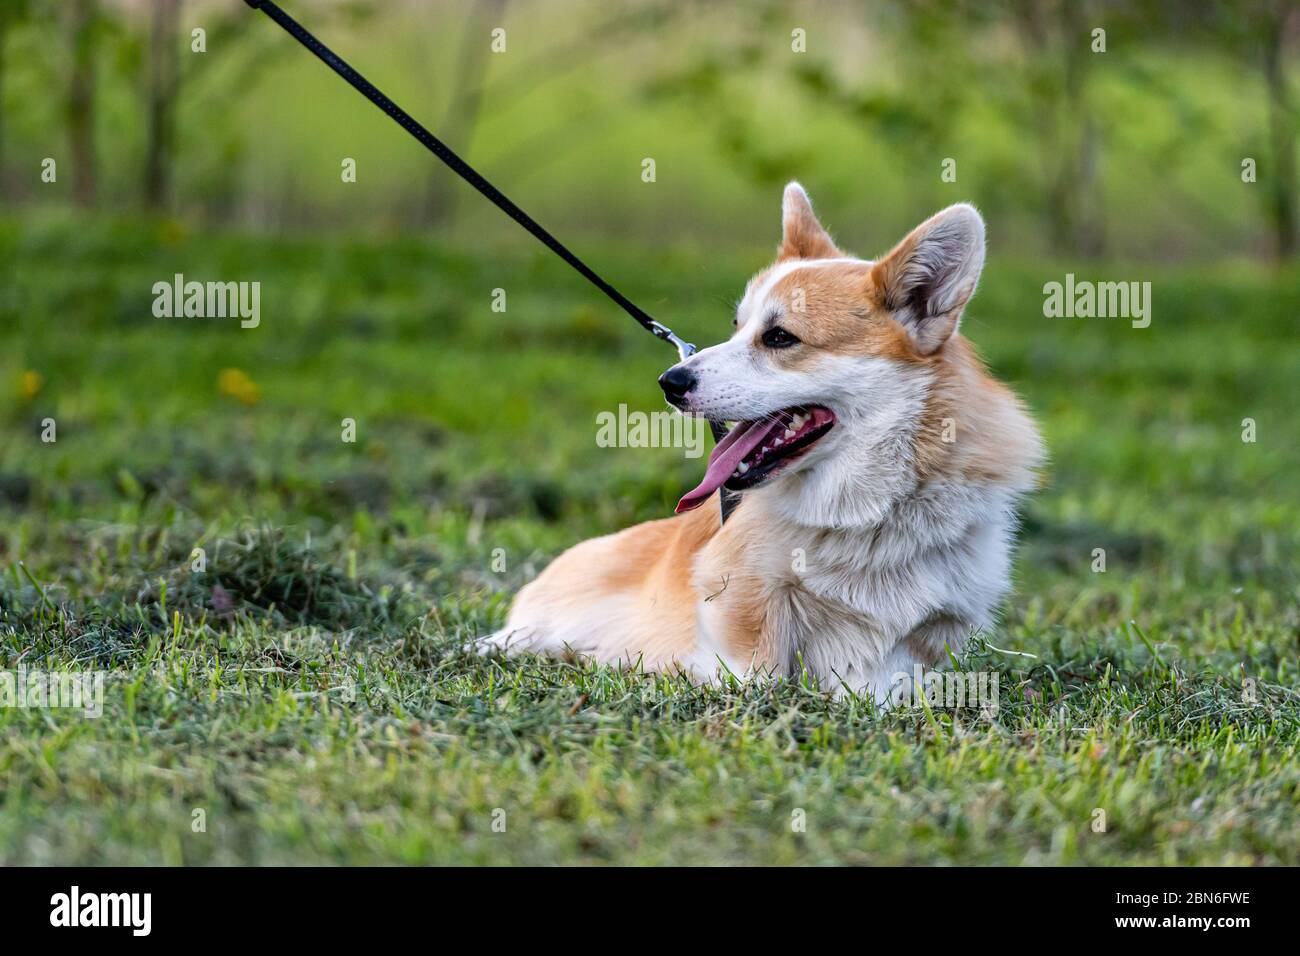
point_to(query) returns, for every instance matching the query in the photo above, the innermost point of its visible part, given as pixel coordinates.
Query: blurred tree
(462, 113)
(948, 53)
(1260, 35)
(240, 49)
(720, 84)
(609, 37)
(1056, 60)
(1279, 22)
(83, 29)
(163, 87)
(12, 13)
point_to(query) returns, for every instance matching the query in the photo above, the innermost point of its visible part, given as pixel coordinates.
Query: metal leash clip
(684, 349)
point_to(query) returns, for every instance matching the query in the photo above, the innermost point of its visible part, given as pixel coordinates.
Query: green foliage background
(308, 691)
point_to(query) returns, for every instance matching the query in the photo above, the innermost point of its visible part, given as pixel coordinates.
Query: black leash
(472, 176)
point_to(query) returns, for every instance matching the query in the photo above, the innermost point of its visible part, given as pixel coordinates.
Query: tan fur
(990, 445)
(841, 314)
(648, 567)
(802, 236)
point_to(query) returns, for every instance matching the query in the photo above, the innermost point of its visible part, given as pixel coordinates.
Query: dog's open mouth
(753, 452)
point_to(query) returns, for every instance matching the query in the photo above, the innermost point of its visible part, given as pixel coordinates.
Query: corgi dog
(878, 467)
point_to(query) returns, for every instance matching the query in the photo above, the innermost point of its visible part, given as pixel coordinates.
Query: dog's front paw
(507, 641)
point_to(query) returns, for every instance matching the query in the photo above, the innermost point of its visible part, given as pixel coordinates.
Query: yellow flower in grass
(30, 384)
(236, 383)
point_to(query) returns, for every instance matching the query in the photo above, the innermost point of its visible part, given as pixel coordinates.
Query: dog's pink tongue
(727, 454)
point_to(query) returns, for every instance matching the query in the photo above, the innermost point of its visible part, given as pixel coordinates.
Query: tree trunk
(1056, 47)
(1282, 196)
(1081, 160)
(81, 101)
(164, 76)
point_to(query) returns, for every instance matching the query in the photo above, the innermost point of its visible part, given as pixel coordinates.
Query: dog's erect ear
(928, 278)
(802, 236)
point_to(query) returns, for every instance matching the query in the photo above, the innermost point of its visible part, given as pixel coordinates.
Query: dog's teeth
(799, 420)
(789, 433)
(742, 468)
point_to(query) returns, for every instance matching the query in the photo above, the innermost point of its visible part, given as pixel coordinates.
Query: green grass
(307, 691)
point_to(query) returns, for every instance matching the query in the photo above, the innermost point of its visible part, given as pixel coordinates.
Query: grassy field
(307, 691)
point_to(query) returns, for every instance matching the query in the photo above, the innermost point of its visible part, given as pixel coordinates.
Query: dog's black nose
(676, 382)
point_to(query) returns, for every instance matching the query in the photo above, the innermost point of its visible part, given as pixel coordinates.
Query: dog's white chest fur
(857, 607)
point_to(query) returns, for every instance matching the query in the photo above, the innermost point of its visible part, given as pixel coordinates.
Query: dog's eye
(778, 338)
